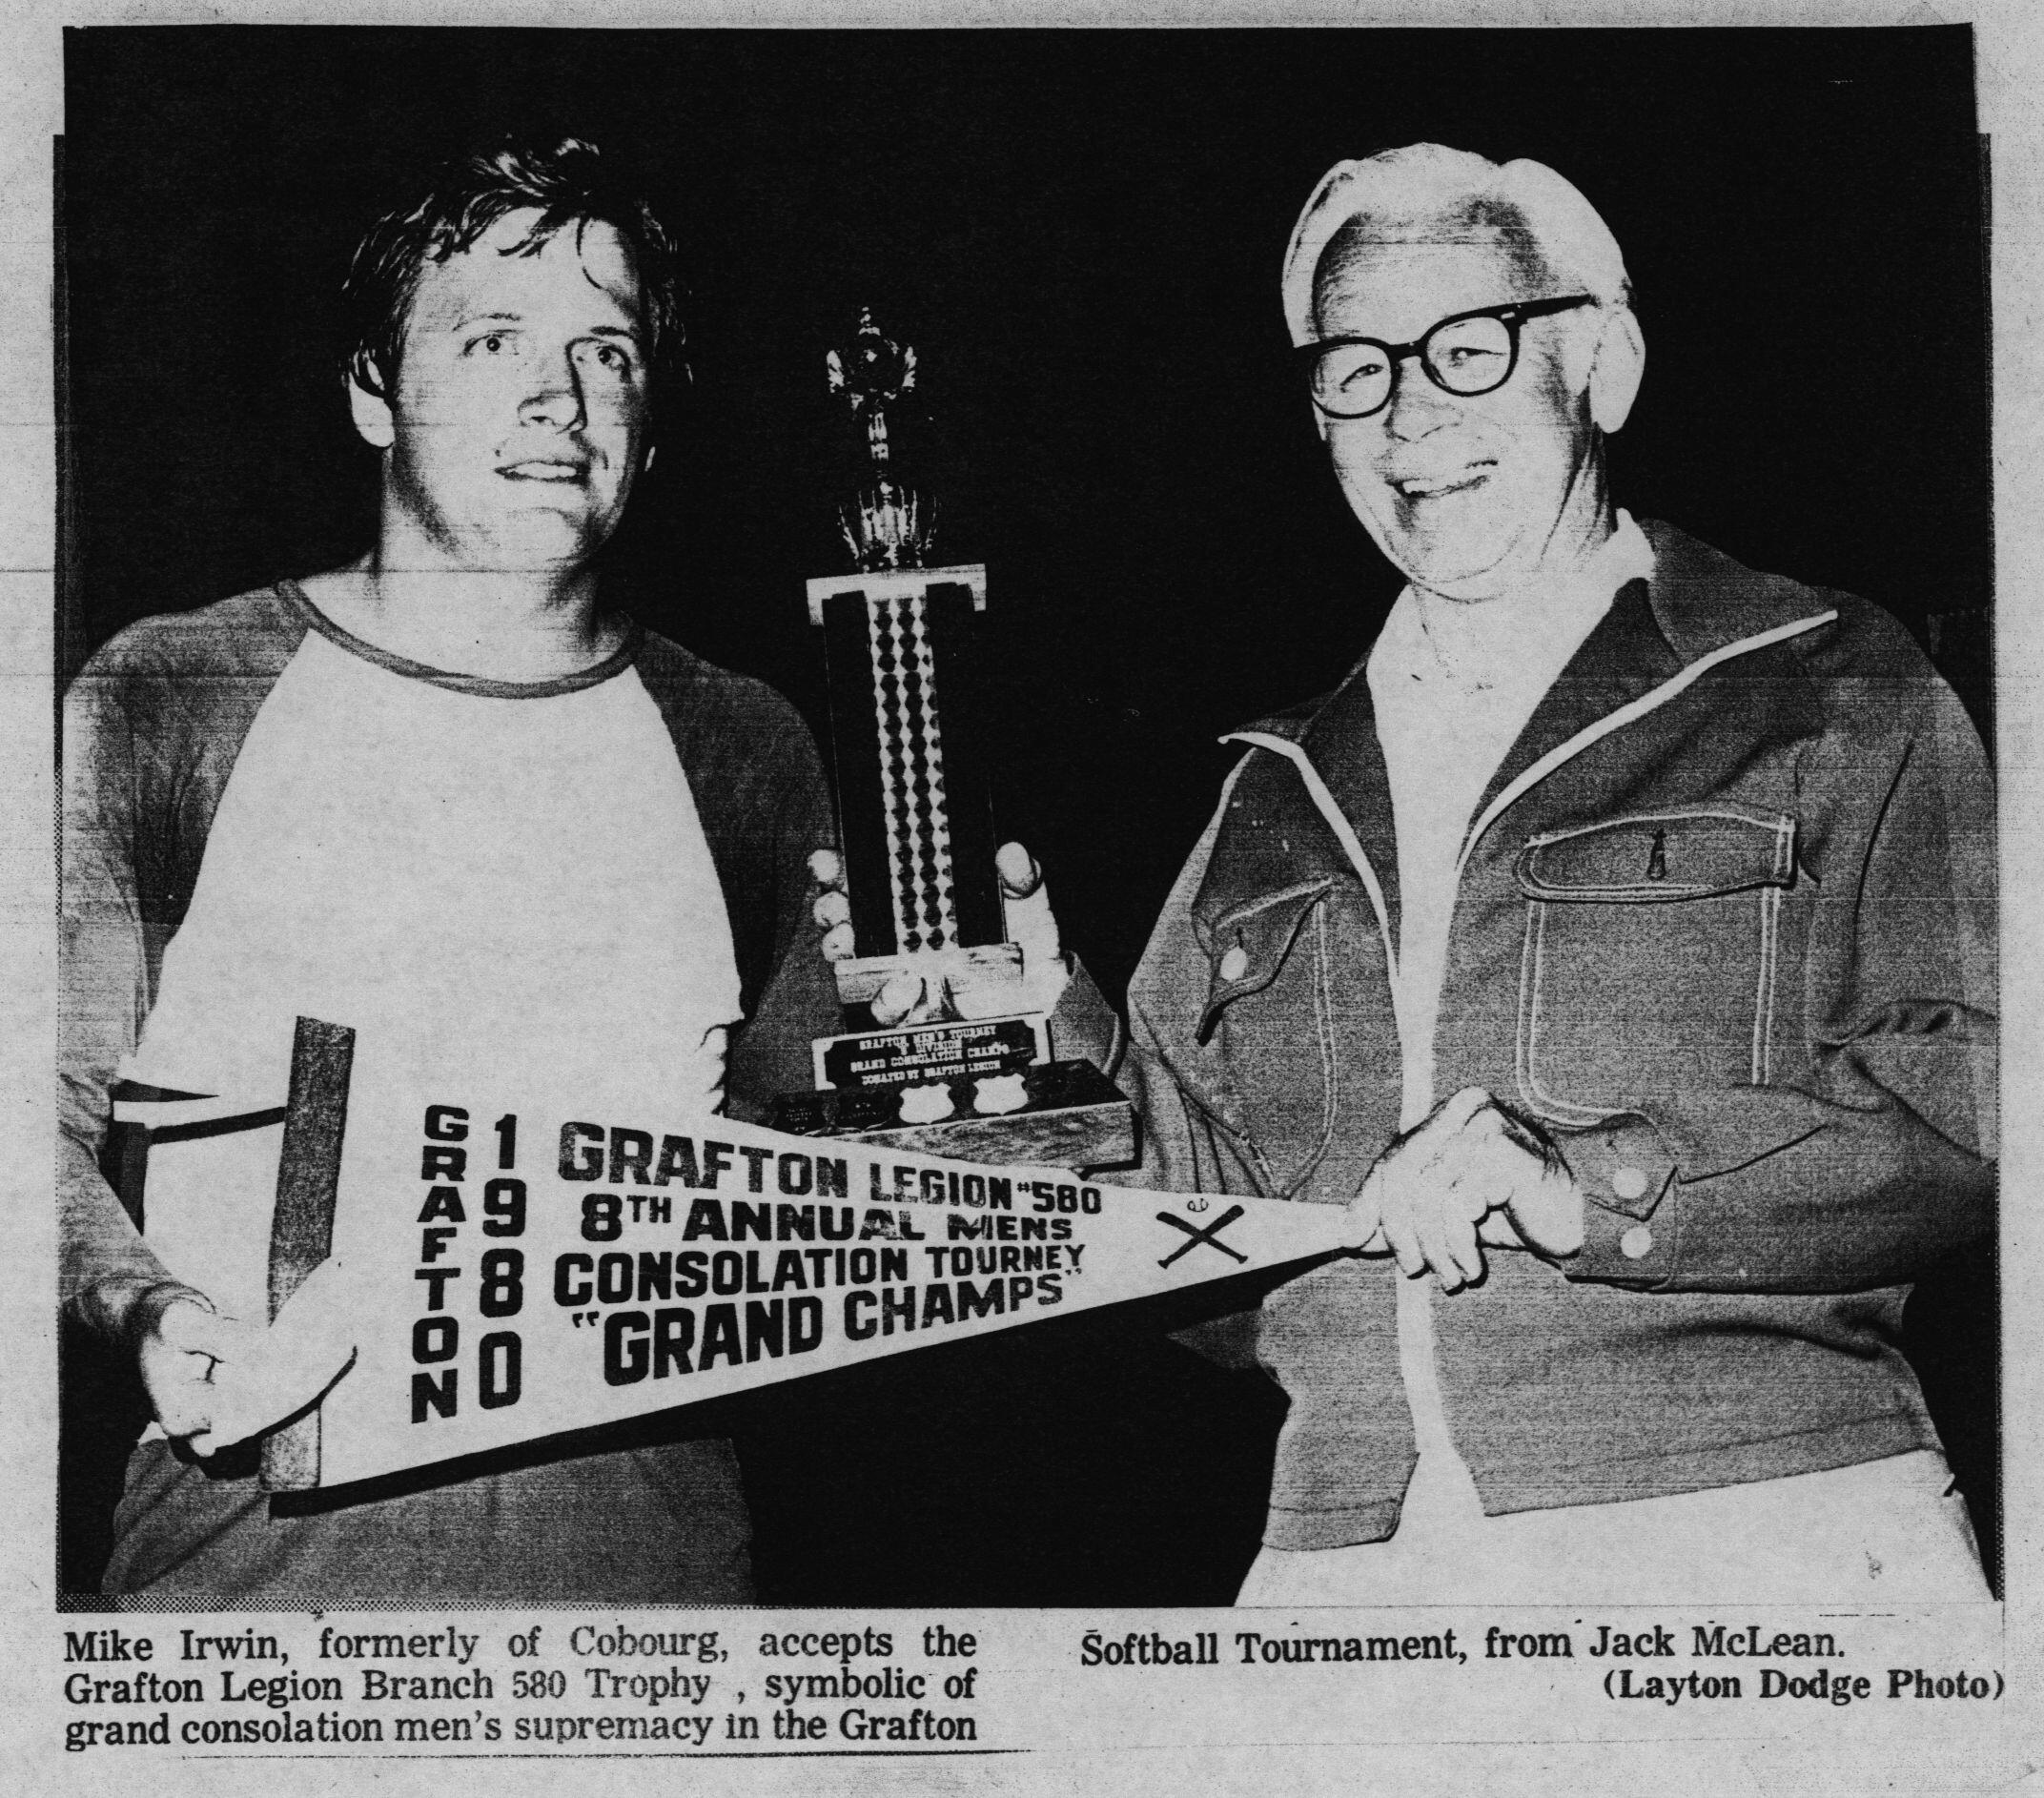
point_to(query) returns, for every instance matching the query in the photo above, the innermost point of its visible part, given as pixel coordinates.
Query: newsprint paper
(1448, 1235)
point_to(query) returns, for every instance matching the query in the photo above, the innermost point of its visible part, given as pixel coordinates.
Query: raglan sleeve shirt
(152, 729)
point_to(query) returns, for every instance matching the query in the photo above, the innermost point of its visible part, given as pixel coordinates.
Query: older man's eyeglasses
(1472, 353)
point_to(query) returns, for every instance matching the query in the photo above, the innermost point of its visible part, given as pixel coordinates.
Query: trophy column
(912, 795)
(917, 831)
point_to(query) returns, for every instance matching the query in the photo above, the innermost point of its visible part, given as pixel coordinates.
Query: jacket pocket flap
(1248, 943)
(1652, 858)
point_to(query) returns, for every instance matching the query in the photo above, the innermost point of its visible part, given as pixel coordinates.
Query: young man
(444, 796)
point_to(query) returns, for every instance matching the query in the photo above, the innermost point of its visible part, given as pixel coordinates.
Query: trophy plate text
(950, 1050)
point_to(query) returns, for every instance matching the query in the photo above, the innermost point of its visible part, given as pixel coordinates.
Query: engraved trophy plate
(876, 1060)
(916, 826)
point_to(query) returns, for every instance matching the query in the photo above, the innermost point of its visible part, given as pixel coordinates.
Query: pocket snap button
(1635, 1243)
(1235, 964)
(1630, 1182)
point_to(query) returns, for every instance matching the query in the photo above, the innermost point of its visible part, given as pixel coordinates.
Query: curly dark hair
(566, 180)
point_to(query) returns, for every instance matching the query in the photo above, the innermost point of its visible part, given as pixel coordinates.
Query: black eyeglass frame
(1511, 316)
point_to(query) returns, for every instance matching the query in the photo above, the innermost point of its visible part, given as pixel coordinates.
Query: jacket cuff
(1625, 1172)
(1618, 1251)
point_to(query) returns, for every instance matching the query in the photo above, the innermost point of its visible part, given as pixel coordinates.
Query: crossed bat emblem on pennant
(1208, 1235)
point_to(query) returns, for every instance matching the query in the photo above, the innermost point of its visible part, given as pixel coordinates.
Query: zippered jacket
(1725, 925)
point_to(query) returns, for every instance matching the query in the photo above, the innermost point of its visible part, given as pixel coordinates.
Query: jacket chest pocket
(1650, 959)
(1270, 1009)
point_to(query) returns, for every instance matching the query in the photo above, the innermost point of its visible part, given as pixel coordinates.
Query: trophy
(917, 830)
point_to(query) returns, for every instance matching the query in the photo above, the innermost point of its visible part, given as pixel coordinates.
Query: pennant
(514, 1264)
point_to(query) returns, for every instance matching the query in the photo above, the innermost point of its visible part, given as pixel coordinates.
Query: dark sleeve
(1875, 1158)
(797, 996)
(758, 789)
(107, 1275)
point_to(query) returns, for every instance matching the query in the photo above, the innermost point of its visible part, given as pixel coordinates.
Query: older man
(1618, 935)
(449, 797)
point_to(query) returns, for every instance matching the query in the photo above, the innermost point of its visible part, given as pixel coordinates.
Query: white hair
(1427, 184)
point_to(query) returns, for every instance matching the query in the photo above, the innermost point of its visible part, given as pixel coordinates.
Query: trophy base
(985, 978)
(1073, 1117)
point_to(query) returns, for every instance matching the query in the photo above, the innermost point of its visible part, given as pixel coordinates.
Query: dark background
(1080, 234)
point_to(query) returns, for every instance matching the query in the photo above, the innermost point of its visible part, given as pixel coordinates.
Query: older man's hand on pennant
(1473, 1174)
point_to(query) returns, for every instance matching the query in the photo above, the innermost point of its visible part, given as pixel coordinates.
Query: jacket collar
(1702, 600)
(1274, 855)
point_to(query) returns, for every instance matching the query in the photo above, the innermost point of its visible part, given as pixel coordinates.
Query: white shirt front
(1453, 684)
(520, 883)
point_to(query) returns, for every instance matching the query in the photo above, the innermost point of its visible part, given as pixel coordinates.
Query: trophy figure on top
(916, 826)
